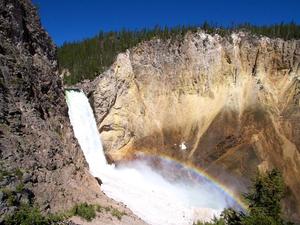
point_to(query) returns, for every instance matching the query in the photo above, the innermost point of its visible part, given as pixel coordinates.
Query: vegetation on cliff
(18, 205)
(86, 59)
(28, 214)
(264, 200)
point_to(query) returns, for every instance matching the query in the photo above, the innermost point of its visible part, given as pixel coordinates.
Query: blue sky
(70, 20)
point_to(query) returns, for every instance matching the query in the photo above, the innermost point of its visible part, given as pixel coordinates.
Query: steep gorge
(232, 101)
(35, 132)
(36, 137)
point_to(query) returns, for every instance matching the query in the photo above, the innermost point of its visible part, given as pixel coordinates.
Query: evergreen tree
(264, 200)
(90, 57)
(265, 196)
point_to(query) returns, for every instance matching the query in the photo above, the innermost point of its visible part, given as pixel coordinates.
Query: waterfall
(145, 191)
(85, 129)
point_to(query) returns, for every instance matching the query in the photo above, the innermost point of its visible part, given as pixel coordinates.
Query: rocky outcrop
(35, 133)
(36, 137)
(233, 101)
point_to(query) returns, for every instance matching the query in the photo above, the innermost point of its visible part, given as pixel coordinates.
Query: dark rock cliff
(36, 137)
(37, 145)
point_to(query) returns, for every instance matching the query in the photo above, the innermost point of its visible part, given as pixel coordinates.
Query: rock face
(233, 102)
(37, 144)
(35, 132)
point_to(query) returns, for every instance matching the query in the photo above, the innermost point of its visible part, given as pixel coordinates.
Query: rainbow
(198, 172)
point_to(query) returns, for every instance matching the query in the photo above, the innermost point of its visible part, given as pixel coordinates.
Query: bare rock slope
(233, 101)
(36, 137)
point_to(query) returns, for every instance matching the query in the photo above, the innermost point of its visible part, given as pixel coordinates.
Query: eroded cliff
(233, 102)
(35, 132)
(36, 138)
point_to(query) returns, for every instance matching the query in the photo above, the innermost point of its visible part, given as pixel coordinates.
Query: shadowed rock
(233, 101)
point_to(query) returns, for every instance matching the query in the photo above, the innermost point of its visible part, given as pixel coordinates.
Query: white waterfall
(150, 196)
(85, 129)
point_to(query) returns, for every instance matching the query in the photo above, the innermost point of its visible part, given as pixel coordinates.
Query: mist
(168, 195)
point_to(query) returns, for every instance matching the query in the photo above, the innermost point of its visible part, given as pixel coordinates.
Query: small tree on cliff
(265, 196)
(264, 201)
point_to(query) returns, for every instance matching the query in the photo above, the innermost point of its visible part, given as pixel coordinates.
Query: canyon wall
(36, 139)
(234, 102)
(35, 133)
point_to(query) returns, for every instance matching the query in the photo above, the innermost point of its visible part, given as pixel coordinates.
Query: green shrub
(99, 208)
(28, 215)
(259, 219)
(117, 213)
(19, 173)
(107, 208)
(85, 211)
(4, 173)
(10, 196)
(12, 200)
(20, 187)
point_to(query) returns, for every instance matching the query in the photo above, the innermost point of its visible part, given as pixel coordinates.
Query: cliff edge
(232, 101)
